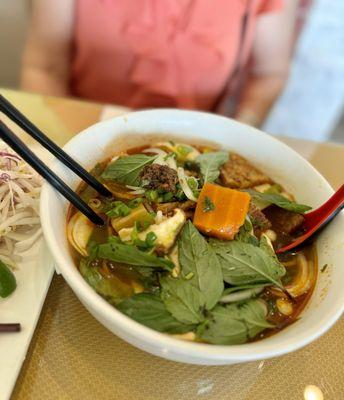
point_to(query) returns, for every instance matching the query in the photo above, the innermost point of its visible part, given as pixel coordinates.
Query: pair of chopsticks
(23, 151)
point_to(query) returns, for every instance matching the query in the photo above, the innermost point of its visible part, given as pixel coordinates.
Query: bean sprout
(20, 188)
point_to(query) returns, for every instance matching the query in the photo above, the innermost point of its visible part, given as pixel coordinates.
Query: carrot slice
(221, 211)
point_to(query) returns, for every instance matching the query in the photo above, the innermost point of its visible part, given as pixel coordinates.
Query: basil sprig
(183, 300)
(131, 255)
(210, 163)
(126, 170)
(7, 280)
(198, 258)
(244, 263)
(235, 323)
(280, 201)
(150, 310)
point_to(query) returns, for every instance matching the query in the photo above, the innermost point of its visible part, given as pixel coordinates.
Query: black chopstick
(16, 116)
(19, 147)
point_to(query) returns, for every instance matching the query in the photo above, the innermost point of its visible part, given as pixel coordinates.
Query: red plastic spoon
(318, 219)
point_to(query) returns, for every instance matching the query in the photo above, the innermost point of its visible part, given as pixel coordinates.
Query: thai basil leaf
(126, 170)
(245, 233)
(149, 310)
(244, 263)
(280, 201)
(129, 254)
(88, 193)
(235, 323)
(234, 289)
(198, 258)
(266, 246)
(7, 280)
(183, 300)
(112, 289)
(210, 163)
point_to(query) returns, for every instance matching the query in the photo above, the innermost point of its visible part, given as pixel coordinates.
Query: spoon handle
(327, 211)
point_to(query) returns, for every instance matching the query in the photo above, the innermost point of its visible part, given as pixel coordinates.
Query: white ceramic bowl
(275, 158)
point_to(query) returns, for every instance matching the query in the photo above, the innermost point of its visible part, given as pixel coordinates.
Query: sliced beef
(238, 173)
(161, 177)
(259, 221)
(283, 221)
(167, 208)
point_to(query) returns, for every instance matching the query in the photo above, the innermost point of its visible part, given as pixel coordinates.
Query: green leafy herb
(235, 323)
(183, 300)
(193, 185)
(119, 209)
(196, 256)
(89, 193)
(266, 246)
(210, 164)
(191, 166)
(246, 235)
(208, 205)
(275, 188)
(152, 195)
(280, 201)
(183, 150)
(135, 202)
(149, 310)
(257, 223)
(131, 255)
(244, 263)
(167, 196)
(180, 195)
(7, 280)
(234, 289)
(112, 289)
(127, 169)
(323, 268)
(146, 244)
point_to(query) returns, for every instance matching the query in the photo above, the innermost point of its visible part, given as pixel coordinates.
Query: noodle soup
(188, 247)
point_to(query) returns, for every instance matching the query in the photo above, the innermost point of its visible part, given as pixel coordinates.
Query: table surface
(72, 356)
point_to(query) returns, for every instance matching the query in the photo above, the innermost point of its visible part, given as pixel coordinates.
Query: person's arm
(46, 57)
(271, 56)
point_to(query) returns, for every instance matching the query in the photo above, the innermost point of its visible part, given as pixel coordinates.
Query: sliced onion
(155, 150)
(138, 191)
(302, 281)
(135, 189)
(171, 162)
(184, 184)
(241, 295)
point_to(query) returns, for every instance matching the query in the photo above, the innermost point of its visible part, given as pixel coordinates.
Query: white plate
(24, 306)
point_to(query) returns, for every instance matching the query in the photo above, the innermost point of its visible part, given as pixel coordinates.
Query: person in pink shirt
(162, 53)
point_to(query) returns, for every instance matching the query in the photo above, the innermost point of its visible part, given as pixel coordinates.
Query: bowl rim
(244, 352)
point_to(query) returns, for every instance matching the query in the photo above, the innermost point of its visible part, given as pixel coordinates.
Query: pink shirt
(157, 53)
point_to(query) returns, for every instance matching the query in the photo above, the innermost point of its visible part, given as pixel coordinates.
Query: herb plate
(24, 306)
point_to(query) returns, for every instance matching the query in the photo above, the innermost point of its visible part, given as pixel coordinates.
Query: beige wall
(13, 22)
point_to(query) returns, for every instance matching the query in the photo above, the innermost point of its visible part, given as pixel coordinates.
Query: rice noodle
(20, 188)
(184, 184)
